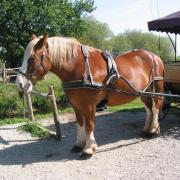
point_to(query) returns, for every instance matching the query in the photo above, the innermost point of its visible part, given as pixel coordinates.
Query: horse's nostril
(21, 85)
(26, 87)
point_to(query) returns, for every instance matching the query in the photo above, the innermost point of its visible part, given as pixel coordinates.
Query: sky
(121, 15)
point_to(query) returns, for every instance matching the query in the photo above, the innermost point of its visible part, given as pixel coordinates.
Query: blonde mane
(62, 49)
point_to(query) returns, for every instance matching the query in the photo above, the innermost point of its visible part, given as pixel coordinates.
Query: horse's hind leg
(149, 114)
(156, 107)
(152, 107)
(81, 134)
(157, 103)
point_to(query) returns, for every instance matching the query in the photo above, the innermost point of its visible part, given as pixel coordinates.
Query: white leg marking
(155, 123)
(81, 135)
(147, 125)
(91, 145)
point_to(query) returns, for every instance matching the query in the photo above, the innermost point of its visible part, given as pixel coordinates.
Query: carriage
(170, 24)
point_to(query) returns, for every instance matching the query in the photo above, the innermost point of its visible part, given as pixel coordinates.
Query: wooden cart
(170, 24)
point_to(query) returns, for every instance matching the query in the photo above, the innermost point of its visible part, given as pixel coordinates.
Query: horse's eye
(31, 60)
(42, 57)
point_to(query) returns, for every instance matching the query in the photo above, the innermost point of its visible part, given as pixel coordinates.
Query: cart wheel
(165, 109)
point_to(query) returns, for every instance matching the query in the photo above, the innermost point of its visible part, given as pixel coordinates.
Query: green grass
(12, 107)
(35, 130)
(13, 120)
(134, 105)
(37, 116)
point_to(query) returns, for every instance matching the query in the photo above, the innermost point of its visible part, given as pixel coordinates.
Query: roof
(169, 23)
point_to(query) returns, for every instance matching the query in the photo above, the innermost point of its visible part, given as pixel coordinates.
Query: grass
(34, 129)
(13, 120)
(12, 107)
(134, 105)
(37, 116)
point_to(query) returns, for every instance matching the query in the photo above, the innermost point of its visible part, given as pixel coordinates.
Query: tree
(20, 18)
(130, 40)
(98, 34)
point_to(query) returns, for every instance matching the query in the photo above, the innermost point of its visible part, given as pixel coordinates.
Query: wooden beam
(55, 112)
(29, 106)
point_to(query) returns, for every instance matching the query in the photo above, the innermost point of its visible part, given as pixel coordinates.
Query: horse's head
(36, 63)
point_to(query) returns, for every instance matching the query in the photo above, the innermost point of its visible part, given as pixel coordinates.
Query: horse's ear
(45, 37)
(33, 36)
(42, 42)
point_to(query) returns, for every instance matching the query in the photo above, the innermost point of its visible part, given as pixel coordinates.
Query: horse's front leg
(91, 144)
(81, 133)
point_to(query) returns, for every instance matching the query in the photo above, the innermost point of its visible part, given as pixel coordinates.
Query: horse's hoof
(85, 156)
(76, 149)
(154, 135)
(144, 134)
(148, 135)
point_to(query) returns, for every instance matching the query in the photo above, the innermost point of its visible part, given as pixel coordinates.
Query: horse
(137, 70)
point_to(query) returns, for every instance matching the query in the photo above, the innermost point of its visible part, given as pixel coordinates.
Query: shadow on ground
(110, 128)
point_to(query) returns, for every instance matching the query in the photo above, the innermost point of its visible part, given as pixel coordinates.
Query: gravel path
(121, 154)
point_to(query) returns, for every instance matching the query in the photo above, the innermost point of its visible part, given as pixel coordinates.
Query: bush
(43, 86)
(12, 105)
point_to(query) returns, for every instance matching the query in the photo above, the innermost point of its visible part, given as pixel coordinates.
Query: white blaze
(22, 82)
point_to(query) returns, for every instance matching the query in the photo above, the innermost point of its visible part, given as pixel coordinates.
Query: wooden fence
(8, 73)
(51, 97)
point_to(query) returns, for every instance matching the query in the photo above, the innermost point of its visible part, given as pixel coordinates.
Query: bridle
(30, 76)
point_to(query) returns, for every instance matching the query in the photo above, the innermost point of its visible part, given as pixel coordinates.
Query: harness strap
(153, 73)
(85, 51)
(81, 84)
(87, 81)
(112, 68)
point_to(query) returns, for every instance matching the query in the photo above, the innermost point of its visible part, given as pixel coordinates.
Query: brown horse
(138, 70)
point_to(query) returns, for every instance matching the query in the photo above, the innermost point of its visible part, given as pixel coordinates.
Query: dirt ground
(121, 154)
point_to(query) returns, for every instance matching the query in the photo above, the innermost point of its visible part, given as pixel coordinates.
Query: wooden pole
(29, 106)
(55, 111)
(4, 73)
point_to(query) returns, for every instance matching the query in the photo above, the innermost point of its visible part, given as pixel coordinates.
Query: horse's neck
(69, 70)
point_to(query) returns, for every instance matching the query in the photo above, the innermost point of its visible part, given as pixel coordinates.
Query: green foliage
(10, 103)
(136, 40)
(19, 18)
(35, 130)
(98, 34)
(41, 103)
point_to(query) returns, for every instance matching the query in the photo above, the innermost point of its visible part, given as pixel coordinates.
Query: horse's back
(138, 61)
(136, 67)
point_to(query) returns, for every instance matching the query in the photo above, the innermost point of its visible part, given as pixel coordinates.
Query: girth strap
(81, 84)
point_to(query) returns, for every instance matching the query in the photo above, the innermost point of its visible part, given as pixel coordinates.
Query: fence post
(29, 106)
(4, 73)
(55, 112)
